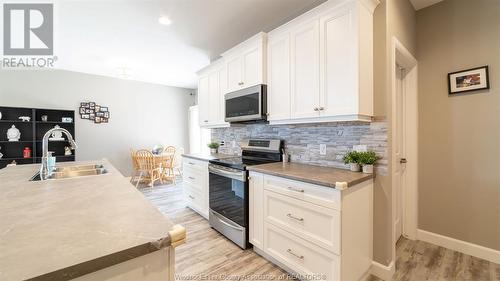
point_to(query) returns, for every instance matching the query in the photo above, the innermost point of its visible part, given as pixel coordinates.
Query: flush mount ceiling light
(164, 20)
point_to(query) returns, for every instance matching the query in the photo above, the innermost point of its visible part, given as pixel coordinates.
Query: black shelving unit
(32, 133)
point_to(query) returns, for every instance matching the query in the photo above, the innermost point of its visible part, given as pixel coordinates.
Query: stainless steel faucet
(44, 169)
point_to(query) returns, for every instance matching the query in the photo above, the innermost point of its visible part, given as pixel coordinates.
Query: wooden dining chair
(135, 166)
(148, 167)
(168, 167)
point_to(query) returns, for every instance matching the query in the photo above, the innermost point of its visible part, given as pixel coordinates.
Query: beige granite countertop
(61, 229)
(207, 157)
(319, 175)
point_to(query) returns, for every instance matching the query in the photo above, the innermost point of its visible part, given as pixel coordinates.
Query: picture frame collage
(94, 112)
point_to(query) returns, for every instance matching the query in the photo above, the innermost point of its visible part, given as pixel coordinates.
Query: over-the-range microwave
(246, 105)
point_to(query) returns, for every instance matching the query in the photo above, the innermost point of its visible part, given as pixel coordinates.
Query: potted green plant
(213, 147)
(367, 159)
(352, 158)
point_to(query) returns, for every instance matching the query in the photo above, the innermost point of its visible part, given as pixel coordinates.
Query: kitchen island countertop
(65, 228)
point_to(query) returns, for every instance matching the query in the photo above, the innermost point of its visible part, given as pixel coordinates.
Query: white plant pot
(355, 167)
(213, 150)
(368, 169)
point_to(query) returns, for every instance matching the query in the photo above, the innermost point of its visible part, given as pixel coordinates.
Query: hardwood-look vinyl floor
(208, 255)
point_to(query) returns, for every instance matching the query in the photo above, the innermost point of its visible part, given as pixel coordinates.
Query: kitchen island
(84, 228)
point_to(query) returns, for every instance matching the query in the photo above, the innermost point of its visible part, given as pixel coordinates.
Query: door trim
(401, 56)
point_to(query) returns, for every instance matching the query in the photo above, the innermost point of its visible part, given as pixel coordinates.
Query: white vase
(213, 150)
(368, 169)
(355, 167)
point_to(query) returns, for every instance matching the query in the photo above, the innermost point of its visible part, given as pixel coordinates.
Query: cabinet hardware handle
(294, 254)
(403, 160)
(190, 196)
(206, 121)
(295, 189)
(316, 109)
(321, 108)
(191, 163)
(295, 218)
(191, 178)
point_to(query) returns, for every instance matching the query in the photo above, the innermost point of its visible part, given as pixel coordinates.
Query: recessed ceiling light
(165, 20)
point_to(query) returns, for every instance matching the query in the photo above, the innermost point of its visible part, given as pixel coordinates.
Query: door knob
(403, 161)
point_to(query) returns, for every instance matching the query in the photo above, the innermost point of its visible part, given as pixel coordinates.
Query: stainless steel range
(228, 188)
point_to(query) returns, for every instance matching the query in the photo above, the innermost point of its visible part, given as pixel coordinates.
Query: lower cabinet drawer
(194, 176)
(314, 223)
(305, 258)
(194, 197)
(195, 164)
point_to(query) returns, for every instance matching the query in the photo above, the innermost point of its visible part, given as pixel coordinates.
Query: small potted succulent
(352, 158)
(367, 159)
(213, 147)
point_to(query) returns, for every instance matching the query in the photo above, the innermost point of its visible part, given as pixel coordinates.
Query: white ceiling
(122, 38)
(420, 4)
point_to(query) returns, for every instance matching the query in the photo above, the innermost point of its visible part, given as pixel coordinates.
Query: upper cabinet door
(252, 67)
(278, 69)
(203, 100)
(339, 91)
(305, 70)
(234, 75)
(214, 97)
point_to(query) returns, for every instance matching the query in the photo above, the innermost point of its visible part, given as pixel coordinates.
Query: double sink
(68, 172)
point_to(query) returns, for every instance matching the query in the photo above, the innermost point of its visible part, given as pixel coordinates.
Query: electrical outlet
(360, 148)
(322, 149)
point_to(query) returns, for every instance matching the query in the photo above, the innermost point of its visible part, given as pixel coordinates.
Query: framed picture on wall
(468, 80)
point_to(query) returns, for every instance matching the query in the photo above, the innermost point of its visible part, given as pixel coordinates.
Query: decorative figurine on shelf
(25, 118)
(67, 151)
(13, 134)
(56, 135)
(1, 154)
(45, 118)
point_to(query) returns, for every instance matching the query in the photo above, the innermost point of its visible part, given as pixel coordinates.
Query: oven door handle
(239, 175)
(215, 214)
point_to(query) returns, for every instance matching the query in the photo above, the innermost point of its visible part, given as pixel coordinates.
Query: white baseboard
(460, 246)
(384, 272)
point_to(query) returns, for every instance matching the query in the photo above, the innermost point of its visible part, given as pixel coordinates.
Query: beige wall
(142, 114)
(459, 188)
(391, 18)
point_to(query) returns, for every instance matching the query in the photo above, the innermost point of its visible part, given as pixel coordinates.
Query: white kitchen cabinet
(310, 229)
(330, 62)
(211, 87)
(256, 201)
(195, 184)
(305, 70)
(246, 63)
(278, 52)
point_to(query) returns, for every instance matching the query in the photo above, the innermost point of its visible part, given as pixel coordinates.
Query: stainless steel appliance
(246, 105)
(228, 188)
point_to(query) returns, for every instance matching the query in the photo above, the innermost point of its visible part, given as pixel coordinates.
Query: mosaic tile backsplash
(303, 141)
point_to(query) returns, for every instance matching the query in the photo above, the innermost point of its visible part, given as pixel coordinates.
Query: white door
(198, 137)
(278, 69)
(338, 91)
(203, 92)
(213, 98)
(305, 70)
(400, 150)
(234, 77)
(252, 67)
